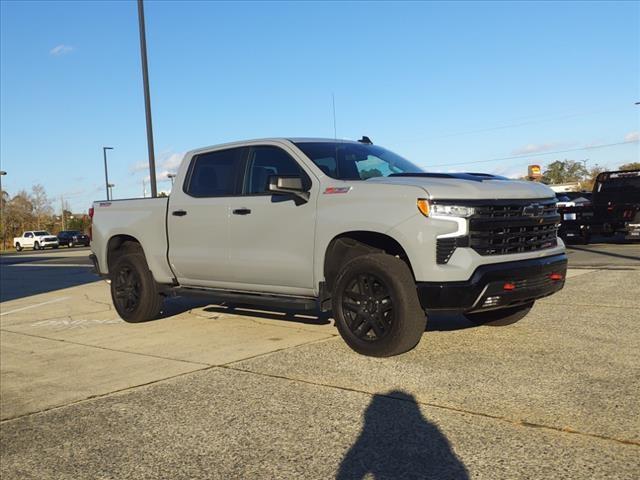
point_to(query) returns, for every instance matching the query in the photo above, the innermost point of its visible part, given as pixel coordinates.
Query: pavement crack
(104, 348)
(520, 423)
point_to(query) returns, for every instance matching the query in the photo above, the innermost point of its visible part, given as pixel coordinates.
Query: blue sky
(444, 84)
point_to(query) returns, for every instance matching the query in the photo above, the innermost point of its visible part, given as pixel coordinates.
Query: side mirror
(288, 184)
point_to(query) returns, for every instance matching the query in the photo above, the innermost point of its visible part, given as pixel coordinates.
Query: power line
(593, 147)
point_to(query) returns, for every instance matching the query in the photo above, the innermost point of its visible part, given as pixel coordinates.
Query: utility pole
(106, 175)
(2, 174)
(147, 99)
(62, 210)
(144, 188)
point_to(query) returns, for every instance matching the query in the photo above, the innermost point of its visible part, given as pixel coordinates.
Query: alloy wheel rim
(127, 289)
(367, 307)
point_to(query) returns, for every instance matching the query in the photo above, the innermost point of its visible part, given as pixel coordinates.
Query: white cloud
(166, 162)
(61, 49)
(537, 148)
(139, 167)
(632, 137)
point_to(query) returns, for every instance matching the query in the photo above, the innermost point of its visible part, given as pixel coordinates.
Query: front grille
(521, 226)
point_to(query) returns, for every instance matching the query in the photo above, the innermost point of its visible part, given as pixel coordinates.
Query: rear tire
(376, 307)
(134, 291)
(18, 247)
(501, 317)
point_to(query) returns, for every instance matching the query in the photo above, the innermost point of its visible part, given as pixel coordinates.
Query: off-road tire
(501, 317)
(403, 319)
(140, 299)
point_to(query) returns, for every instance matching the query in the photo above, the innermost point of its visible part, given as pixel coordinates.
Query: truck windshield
(353, 161)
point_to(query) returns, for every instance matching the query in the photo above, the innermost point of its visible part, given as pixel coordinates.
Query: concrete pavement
(212, 392)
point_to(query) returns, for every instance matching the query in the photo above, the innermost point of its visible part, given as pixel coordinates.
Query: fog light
(556, 277)
(491, 301)
(509, 286)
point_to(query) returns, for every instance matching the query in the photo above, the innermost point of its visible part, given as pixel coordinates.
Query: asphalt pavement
(209, 391)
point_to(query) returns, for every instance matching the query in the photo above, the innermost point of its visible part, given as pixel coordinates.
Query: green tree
(630, 166)
(565, 171)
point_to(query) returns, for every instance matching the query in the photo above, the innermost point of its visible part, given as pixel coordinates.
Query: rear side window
(214, 174)
(265, 162)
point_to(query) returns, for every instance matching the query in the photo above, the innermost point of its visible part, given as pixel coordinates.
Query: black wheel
(36, 246)
(55, 247)
(133, 290)
(376, 307)
(503, 316)
(18, 247)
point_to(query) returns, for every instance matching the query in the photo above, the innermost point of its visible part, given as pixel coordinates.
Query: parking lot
(215, 391)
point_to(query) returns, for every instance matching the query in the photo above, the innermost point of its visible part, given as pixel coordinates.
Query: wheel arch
(348, 245)
(115, 247)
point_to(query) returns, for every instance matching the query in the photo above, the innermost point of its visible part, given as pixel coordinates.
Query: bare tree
(41, 204)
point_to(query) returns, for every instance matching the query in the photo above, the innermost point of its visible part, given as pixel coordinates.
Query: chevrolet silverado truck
(36, 239)
(346, 226)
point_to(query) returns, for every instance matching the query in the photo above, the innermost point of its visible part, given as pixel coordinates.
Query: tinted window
(353, 161)
(41, 233)
(265, 162)
(28, 235)
(214, 174)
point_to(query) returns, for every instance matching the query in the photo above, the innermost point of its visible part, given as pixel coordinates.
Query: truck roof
(241, 143)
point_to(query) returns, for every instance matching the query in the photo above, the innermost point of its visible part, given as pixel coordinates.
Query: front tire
(501, 317)
(36, 246)
(70, 244)
(376, 307)
(134, 292)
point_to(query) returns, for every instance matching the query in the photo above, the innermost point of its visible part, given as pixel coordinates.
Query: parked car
(340, 225)
(71, 238)
(36, 239)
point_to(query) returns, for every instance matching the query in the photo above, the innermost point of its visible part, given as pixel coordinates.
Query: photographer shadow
(397, 442)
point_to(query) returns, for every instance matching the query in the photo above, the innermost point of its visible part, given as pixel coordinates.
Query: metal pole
(147, 99)
(4, 220)
(106, 175)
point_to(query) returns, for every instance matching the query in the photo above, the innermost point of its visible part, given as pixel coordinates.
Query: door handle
(241, 211)
(179, 213)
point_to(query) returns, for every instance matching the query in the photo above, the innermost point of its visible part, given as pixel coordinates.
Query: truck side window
(214, 174)
(28, 235)
(266, 161)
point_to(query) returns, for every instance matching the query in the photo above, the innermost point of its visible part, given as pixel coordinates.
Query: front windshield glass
(41, 233)
(353, 161)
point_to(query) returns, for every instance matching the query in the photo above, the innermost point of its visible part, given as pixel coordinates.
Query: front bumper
(528, 280)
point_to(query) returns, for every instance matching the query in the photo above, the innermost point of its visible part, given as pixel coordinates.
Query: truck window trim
(237, 185)
(306, 179)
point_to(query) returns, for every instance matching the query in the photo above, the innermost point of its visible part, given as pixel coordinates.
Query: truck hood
(468, 186)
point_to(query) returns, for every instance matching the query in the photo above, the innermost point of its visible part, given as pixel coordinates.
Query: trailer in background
(614, 208)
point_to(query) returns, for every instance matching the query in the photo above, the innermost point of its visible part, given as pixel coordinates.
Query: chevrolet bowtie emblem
(533, 210)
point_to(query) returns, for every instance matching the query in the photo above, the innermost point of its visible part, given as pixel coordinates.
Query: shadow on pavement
(397, 442)
(23, 281)
(600, 252)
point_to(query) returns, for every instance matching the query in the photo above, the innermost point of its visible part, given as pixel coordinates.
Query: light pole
(2, 174)
(171, 176)
(147, 99)
(110, 189)
(106, 175)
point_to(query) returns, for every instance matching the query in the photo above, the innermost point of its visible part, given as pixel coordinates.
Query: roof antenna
(335, 131)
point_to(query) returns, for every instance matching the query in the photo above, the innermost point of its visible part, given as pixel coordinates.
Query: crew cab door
(198, 217)
(272, 236)
(28, 239)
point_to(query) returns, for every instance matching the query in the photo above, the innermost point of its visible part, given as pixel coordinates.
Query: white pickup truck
(340, 225)
(36, 239)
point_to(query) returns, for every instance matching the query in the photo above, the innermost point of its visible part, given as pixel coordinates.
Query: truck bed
(142, 218)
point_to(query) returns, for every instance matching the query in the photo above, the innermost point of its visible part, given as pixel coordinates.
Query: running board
(255, 299)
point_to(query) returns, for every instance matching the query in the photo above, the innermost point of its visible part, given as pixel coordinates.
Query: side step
(255, 299)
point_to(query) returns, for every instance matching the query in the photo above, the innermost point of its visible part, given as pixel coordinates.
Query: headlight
(429, 209)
